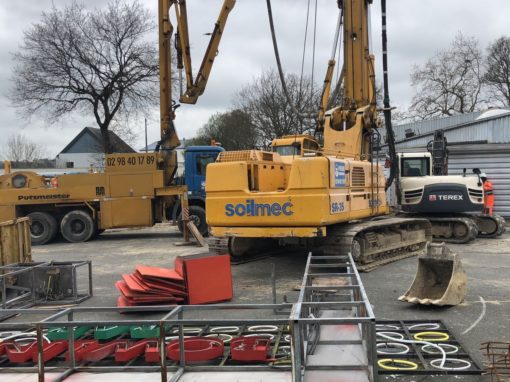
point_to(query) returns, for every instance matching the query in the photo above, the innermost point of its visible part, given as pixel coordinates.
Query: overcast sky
(417, 30)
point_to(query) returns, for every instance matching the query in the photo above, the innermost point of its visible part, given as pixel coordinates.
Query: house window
(69, 164)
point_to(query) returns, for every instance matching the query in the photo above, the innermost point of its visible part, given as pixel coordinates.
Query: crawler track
(453, 229)
(377, 242)
(463, 228)
(372, 243)
(490, 226)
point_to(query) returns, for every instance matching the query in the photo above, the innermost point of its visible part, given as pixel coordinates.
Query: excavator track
(377, 242)
(372, 243)
(463, 228)
(221, 246)
(490, 226)
(453, 229)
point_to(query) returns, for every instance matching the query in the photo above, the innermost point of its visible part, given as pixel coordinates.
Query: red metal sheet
(179, 285)
(179, 266)
(208, 278)
(134, 284)
(123, 302)
(163, 289)
(123, 288)
(169, 299)
(163, 273)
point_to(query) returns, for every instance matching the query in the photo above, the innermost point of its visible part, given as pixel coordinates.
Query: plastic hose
(443, 359)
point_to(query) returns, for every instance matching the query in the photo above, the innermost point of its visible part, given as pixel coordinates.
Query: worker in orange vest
(488, 192)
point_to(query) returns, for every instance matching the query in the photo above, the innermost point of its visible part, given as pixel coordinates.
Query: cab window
(414, 167)
(294, 149)
(203, 161)
(310, 146)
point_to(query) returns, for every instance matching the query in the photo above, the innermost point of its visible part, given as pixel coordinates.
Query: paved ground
(486, 262)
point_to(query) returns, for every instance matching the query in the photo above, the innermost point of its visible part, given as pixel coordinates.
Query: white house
(86, 149)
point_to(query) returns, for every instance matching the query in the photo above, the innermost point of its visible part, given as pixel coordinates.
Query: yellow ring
(438, 336)
(382, 364)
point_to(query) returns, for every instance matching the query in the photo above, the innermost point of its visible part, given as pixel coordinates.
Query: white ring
(405, 348)
(387, 326)
(188, 330)
(266, 335)
(466, 363)
(8, 334)
(390, 334)
(263, 328)
(224, 329)
(454, 348)
(171, 338)
(425, 326)
(287, 338)
(226, 338)
(285, 349)
(23, 339)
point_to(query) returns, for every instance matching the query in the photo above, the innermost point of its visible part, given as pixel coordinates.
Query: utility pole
(146, 144)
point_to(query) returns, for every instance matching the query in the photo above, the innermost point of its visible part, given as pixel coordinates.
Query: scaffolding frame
(26, 296)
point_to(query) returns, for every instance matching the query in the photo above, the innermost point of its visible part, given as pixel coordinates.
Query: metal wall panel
(497, 168)
(494, 129)
(425, 127)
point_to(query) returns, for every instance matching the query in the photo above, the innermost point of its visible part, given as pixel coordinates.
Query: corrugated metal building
(474, 140)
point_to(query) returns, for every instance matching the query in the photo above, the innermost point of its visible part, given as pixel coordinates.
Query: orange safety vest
(489, 197)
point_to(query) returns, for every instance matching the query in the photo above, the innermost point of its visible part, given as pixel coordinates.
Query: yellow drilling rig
(328, 194)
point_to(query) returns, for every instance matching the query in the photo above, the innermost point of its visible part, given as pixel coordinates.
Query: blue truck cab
(196, 159)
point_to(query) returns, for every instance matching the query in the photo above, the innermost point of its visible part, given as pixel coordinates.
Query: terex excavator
(452, 203)
(330, 196)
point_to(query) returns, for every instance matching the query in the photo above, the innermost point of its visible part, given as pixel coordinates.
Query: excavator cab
(290, 146)
(423, 192)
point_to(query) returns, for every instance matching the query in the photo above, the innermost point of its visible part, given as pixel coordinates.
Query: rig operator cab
(290, 146)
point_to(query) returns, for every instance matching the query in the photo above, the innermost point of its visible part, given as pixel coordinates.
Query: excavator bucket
(440, 279)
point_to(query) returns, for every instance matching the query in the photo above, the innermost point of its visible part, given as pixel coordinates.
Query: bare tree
(451, 82)
(233, 129)
(96, 62)
(497, 75)
(21, 149)
(271, 114)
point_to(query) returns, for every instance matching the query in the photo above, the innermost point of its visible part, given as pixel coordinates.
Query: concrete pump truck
(135, 190)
